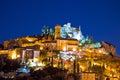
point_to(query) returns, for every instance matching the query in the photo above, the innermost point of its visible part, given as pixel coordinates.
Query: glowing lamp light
(14, 55)
(82, 67)
(41, 48)
(35, 59)
(110, 75)
(40, 64)
(30, 40)
(32, 64)
(100, 51)
(74, 49)
(66, 66)
(80, 49)
(18, 56)
(64, 49)
(96, 63)
(54, 65)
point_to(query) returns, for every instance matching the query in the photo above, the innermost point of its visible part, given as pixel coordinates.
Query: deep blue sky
(98, 18)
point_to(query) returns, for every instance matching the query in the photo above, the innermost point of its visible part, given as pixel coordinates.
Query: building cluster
(64, 47)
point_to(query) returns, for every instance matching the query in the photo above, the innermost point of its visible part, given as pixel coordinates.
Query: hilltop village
(66, 48)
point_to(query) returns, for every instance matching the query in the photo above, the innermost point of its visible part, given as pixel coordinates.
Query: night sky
(97, 18)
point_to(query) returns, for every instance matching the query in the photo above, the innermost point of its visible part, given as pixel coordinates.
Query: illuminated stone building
(87, 76)
(65, 46)
(109, 48)
(11, 54)
(57, 32)
(65, 38)
(11, 44)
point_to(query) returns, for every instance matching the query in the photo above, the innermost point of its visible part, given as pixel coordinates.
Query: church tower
(57, 32)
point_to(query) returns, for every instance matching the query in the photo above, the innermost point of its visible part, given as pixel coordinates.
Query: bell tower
(57, 32)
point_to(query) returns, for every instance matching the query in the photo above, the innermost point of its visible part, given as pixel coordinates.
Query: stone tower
(57, 32)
